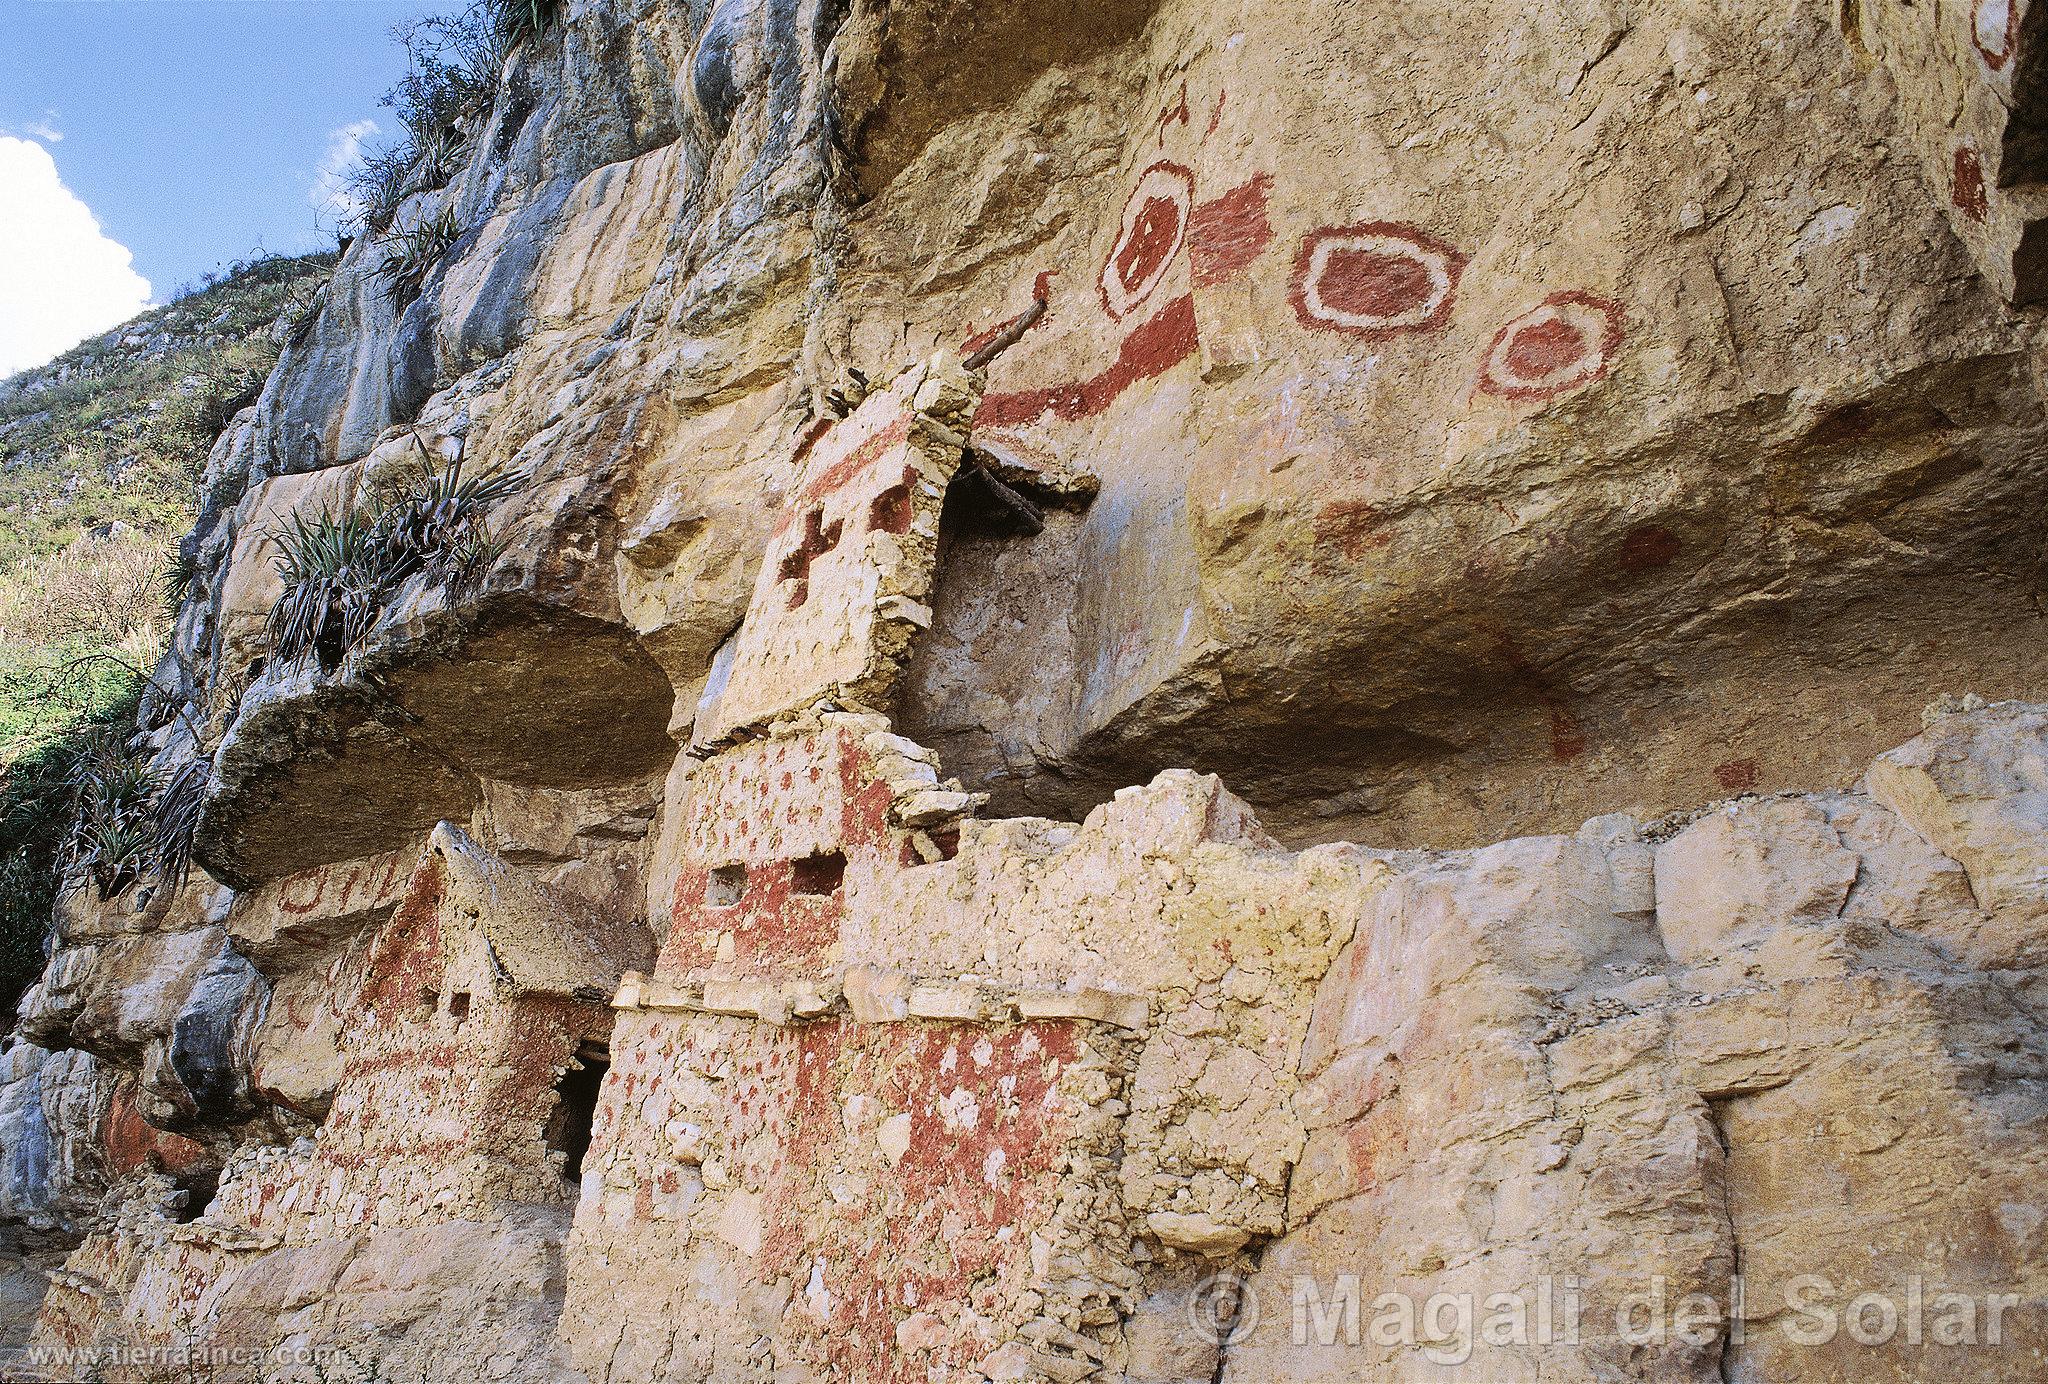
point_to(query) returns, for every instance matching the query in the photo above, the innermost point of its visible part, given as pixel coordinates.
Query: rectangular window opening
(820, 874)
(726, 887)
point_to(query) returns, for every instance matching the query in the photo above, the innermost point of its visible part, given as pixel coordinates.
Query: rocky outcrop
(1672, 1096)
(852, 888)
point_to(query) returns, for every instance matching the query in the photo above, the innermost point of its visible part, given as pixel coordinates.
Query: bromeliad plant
(433, 521)
(128, 822)
(341, 568)
(331, 596)
(411, 252)
(174, 820)
(517, 20)
(111, 835)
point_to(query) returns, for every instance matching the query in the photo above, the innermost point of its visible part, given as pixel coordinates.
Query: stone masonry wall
(1085, 866)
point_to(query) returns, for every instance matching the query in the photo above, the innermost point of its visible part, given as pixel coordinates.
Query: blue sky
(194, 130)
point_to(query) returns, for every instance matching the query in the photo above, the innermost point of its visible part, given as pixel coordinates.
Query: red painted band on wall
(1164, 341)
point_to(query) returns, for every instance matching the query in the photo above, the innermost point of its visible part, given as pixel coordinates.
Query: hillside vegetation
(100, 457)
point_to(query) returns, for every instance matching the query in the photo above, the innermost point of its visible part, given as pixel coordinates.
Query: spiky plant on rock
(342, 567)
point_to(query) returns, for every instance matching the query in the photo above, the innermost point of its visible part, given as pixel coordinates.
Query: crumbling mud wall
(1080, 750)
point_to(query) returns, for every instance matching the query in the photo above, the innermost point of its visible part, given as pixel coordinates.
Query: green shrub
(196, 414)
(378, 183)
(38, 795)
(452, 66)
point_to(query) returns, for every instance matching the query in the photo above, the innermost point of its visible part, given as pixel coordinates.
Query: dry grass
(102, 591)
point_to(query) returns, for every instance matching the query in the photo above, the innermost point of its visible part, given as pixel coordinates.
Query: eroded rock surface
(900, 870)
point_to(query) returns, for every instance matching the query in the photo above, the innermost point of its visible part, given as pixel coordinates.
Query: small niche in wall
(727, 885)
(198, 1191)
(820, 874)
(568, 1128)
(458, 1005)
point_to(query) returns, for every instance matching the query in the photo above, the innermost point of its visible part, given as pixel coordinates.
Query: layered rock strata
(1437, 424)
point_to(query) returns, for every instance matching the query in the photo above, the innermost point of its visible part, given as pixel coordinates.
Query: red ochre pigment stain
(1149, 242)
(1966, 186)
(891, 512)
(1380, 285)
(1164, 341)
(847, 467)
(1646, 548)
(1567, 737)
(1567, 340)
(1228, 233)
(1154, 222)
(130, 1141)
(1737, 775)
(1353, 525)
(1544, 347)
(1992, 25)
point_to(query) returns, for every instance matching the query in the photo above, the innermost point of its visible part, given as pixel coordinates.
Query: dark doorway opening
(197, 1189)
(568, 1130)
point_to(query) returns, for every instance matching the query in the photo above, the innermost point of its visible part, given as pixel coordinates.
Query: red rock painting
(1737, 775)
(131, 1142)
(1227, 233)
(1166, 339)
(1994, 29)
(1170, 114)
(1375, 279)
(1567, 340)
(1966, 187)
(1155, 222)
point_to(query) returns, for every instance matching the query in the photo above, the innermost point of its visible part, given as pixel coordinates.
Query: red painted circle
(1361, 281)
(1544, 347)
(1155, 222)
(1150, 244)
(1567, 340)
(1375, 279)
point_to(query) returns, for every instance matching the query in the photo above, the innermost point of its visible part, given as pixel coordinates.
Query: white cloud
(330, 194)
(61, 279)
(44, 129)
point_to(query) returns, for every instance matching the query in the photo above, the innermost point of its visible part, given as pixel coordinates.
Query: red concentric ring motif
(1994, 28)
(1154, 225)
(1376, 279)
(1567, 340)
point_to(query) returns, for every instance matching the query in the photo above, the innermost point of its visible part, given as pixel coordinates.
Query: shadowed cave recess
(1110, 649)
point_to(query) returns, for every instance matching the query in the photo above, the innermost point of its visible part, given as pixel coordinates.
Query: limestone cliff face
(1421, 424)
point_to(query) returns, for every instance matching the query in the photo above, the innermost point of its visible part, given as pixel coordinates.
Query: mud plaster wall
(1605, 415)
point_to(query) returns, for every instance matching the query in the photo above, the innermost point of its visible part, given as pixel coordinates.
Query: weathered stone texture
(866, 884)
